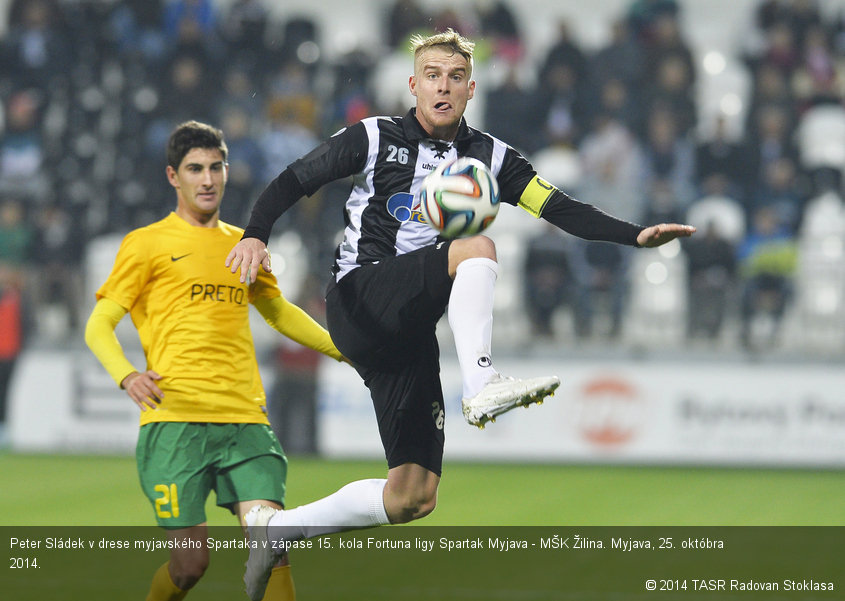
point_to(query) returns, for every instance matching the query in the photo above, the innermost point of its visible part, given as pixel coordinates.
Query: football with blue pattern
(460, 198)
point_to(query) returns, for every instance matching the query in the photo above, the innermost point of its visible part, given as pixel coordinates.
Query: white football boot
(262, 556)
(501, 394)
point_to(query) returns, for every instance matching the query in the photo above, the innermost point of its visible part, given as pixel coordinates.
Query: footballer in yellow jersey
(203, 419)
(192, 320)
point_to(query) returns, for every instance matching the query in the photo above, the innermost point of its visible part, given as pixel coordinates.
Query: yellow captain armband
(535, 196)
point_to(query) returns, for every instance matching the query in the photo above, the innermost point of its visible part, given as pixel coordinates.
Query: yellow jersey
(192, 317)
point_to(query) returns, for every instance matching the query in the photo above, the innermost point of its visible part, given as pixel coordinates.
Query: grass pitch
(82, 490)
(97, 501)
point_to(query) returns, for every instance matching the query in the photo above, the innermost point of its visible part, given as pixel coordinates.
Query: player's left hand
(656, 235)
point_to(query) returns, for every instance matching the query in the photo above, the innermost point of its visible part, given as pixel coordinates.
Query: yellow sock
(280, 586)
(162, 587)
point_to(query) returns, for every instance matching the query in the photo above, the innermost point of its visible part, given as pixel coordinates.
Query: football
(460, 198)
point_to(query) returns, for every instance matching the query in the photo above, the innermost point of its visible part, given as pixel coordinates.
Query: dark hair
(190, 135)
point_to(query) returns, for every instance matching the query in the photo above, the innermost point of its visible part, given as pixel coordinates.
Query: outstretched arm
(657, 235)
(589, 222)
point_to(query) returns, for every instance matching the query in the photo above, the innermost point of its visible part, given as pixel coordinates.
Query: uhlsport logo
(404, 207)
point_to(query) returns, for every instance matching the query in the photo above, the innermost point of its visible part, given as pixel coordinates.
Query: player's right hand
(249, 254)
(142, 388)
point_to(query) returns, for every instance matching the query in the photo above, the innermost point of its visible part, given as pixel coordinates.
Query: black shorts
(383, 317)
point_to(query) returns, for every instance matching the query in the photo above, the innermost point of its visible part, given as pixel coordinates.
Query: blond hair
(449, 39)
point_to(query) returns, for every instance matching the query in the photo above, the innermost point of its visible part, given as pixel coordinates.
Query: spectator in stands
(564, 51)
(509, 113)
(189, 20)
(668, 155)
(547, 280)
(661, 201)
(612, 163)
(22, 150)
(560, 105)
(797, 15)
(769, 141)
(404, 18)
(767, 259)
(240, 89)
(780, 48)
(670, 73)
(720, 155)
(11, 336)
(816, 80)
(621, 58)
(300, 41)
(36, 49)
(136, 26)
(16, 245)
(246, 164)
(779, 191)
(672, 91)
(58, 251)
(459, 18)
(289, 134)
(616, 99)
(499, 26)
(711, 278)
(16, 233)
(187, 93)
(292, 401)
(600, 274)
(289, 89)
(243, 29)
(642, 15)
(770, 87)
(350, 100)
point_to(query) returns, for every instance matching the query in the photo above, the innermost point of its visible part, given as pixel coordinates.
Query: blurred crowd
(90, 90)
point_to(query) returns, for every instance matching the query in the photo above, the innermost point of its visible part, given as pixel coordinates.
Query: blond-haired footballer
(394, 278)
(203, 419)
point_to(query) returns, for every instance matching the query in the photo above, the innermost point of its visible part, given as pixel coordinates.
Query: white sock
(471, 320)
(359, 504)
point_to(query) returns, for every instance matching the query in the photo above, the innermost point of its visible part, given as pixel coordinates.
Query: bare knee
(470, 248)
(187, 570)
(410, 505)
(410, 493)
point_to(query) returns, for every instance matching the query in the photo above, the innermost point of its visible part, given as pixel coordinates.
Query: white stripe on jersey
(499, 149)
(413, 234)
(362, 190)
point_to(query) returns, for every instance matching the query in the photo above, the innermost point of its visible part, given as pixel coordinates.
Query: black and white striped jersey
(388, 158)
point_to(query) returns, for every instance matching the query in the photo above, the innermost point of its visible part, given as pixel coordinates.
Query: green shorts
(180, 463)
